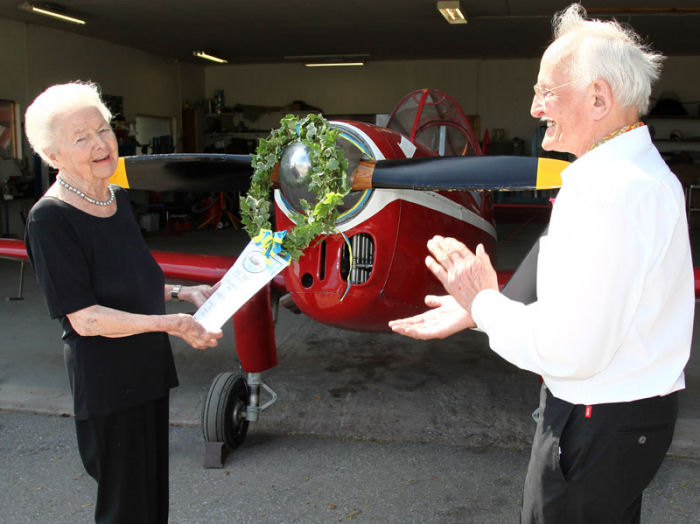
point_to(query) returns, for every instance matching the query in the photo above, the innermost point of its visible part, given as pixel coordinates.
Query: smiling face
(85, 146)
(562, 105)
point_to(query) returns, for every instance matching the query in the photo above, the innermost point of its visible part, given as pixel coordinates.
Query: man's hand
(446, 318)
(462, 273)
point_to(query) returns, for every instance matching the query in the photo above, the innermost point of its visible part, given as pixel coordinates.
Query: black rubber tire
(223, 415)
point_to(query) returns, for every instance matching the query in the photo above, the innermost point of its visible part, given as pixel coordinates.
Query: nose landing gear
(232, 402)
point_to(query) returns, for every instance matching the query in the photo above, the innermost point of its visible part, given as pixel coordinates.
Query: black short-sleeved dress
(81, 260)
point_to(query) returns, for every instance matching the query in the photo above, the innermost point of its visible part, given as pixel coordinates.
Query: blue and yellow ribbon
(271, 243)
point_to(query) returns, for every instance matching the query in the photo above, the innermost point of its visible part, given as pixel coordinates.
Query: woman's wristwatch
(175, 292)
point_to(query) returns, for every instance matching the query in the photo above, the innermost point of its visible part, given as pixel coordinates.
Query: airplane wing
(12, 249)
(208, 269)
(190, 267)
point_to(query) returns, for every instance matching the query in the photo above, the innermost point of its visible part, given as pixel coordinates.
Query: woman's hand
(198, 295)
(107, 322)
(188, 329)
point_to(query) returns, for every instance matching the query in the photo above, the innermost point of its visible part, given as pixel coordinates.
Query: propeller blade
(461, 173)
(184, 172)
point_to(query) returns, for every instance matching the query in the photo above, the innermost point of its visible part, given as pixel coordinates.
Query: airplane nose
(294, 174)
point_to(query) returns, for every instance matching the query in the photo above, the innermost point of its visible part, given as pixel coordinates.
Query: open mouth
(549, 123)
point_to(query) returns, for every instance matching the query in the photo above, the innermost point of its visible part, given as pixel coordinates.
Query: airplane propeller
(460, 173)
(228, 172)
(184, 172)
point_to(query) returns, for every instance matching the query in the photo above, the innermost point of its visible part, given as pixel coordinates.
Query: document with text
(250, 273)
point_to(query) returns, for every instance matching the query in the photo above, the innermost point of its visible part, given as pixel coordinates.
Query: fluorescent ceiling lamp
(52, 11)
(345, 60)
(334, 64)
(452, 12)
(207, 56)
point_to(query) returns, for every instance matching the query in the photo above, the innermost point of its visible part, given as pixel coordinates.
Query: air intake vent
(362, 259)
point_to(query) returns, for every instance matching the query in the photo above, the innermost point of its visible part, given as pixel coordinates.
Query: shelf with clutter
(237, 129)
(675, 134)
(210, 126)
(675, 127)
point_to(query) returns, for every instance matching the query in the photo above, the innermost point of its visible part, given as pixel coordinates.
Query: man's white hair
(41, 117)
(607, 50)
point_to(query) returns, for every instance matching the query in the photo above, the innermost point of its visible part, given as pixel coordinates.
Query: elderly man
(611, 329)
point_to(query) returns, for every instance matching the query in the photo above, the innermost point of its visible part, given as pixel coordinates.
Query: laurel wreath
(326, 181)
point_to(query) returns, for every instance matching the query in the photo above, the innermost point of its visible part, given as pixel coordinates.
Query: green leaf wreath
(326, 181)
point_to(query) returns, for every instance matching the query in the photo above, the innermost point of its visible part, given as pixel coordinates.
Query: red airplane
(427, 177)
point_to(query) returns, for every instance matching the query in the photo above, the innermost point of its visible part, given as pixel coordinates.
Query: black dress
(81, 260)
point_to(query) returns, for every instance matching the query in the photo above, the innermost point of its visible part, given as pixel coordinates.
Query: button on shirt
(614, 316)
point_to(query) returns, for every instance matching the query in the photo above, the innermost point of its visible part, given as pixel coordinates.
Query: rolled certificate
(252, 270)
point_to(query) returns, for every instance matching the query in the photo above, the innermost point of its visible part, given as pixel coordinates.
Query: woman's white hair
(607, 50)
(41, 117)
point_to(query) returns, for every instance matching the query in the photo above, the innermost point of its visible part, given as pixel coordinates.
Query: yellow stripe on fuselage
(549, 172)
(119, 177)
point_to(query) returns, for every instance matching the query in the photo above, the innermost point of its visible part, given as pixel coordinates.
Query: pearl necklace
(83, 195)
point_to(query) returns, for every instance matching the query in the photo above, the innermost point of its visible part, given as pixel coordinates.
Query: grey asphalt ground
(368, 427)
(285, 478)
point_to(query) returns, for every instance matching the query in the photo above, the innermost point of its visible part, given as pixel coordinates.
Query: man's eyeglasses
(542, 94)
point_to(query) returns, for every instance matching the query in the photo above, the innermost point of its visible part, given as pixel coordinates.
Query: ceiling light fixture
(334, 64)
(52, 10)
(346, 60)
(208, 56)
(452, 11)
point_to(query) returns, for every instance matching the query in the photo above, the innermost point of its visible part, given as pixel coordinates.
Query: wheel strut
(255, 382)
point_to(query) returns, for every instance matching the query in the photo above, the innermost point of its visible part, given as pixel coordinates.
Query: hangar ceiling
(273, 31)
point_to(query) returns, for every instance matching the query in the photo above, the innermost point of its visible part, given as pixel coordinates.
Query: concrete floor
(303, 479)
(330, 382)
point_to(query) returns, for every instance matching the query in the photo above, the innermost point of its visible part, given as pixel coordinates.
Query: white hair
(607, 50)
(42, 115)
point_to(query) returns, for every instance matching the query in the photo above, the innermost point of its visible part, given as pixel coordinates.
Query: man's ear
(602, 99)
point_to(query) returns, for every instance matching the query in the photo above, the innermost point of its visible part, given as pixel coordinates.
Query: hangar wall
(34, 57)
(477, 85)
(37, 57)
(500, 91)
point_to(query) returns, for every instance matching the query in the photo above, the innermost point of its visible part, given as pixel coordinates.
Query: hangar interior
(332, 382)
(168, 100)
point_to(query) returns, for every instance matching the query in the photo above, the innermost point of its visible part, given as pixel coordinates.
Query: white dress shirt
(614, 316)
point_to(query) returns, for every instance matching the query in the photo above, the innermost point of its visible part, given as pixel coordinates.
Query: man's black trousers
(590, 464)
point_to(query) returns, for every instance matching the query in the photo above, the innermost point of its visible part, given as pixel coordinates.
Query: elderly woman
(102, 284)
